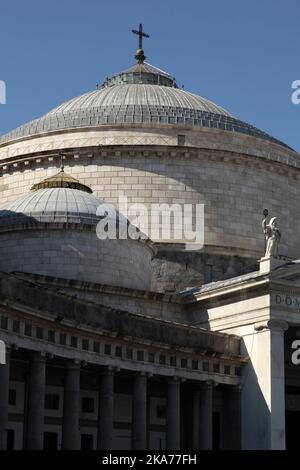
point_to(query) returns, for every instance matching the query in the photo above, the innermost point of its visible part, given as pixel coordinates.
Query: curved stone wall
(234, 189)
(145, 134)
(175, 270)
(76, 254)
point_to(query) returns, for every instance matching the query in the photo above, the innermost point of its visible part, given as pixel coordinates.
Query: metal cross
(141, 35)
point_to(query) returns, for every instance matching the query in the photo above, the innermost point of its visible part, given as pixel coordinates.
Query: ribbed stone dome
(52, 205)
(140, 95)
(60, 198)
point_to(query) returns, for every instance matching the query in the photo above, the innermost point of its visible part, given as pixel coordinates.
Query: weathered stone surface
(174, 270)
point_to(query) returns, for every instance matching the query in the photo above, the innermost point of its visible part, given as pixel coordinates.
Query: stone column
(206, 416)
(4, 390)
(263, 386)
(106, 410)
(277, 435)
(196, 416)
(173, 414)
(231, 418)
(71, 410)
(36, 402)
(139, 413)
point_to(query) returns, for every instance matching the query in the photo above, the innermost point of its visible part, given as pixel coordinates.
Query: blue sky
(243, 55)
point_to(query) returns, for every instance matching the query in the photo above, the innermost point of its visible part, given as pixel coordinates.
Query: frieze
(286, 300)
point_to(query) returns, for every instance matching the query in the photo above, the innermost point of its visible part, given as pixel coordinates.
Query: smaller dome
(53, 231)
(59, 198)
(52, 205)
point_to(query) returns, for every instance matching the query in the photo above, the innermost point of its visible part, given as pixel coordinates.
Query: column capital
(73, 364)
(141, 375)
(272, 325)
(205, 384)
(39, 356)
(175, 380)
(108, 370)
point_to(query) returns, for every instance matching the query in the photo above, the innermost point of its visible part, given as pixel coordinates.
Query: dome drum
(76, 255)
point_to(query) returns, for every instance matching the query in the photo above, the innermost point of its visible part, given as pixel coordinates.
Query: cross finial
(140, 56)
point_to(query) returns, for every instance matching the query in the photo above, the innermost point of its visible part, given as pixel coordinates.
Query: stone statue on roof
(272, 236)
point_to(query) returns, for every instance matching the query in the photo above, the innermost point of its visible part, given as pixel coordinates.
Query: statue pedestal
(268, 263)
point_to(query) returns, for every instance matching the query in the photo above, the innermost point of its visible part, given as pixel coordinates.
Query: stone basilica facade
(143, 344)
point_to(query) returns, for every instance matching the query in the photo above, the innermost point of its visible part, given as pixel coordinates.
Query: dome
(52, 205)
(59, 198)
(53, 231)
(141, 94)
(54, 200)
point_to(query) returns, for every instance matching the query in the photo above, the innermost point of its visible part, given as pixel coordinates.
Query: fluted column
(173, 414)
(106, 410)
(36, 402)
(71, 410)
(4, 391)
(139, 408)
(206, 416)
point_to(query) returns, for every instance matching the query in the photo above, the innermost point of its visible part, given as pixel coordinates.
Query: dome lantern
(61, 180)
